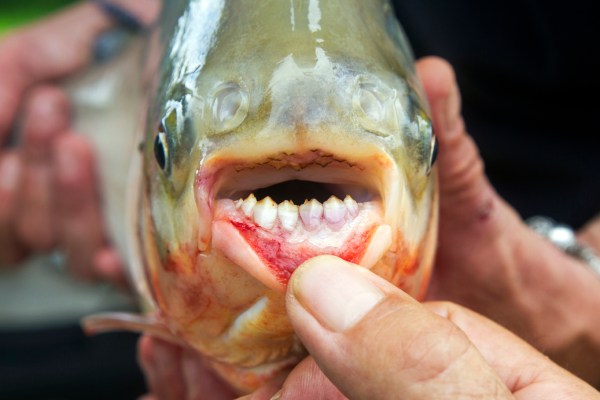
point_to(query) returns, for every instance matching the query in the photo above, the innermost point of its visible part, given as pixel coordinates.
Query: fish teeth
(265, 213)
(248, 205)
(334, 210)
(311, 213)
(351, 205)
(288, 215)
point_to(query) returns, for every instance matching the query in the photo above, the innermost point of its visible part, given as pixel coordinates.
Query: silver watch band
(563, 237)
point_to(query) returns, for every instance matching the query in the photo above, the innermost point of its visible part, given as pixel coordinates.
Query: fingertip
(145, 354)
(48, 100)
(73, 158)
(437, 76)
(10, 172)
(108, 266)
(439, 82)
(335, 292)
(147, 360)
(11, 249)
(47, 114)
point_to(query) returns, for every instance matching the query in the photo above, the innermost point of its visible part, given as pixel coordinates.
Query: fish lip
(242, 177)
(373, 177)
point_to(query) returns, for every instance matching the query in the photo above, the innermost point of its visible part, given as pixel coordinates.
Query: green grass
(14, 13)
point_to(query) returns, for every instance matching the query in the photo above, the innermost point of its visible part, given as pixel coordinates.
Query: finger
(464, 190)
(524, 369)
(470, 210)
(201, 382)
(268, 391)
(47, 116)
(272, 389)
(54, 48)
(11, 249)
(307, 381)
(78, 212)
(161, 363)
(375, 342)
(107, 264)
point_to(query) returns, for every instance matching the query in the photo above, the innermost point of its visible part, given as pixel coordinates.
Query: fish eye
(161, 147)
(434, 150)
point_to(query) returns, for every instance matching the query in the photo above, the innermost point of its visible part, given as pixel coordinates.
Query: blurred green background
(17, 12)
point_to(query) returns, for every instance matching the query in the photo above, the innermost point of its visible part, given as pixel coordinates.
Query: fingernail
(335, 292)
(276, 396)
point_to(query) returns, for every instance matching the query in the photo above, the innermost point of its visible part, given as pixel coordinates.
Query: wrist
(560, 298)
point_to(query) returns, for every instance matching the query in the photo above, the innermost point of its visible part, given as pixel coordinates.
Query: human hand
(370, 340)
(177, 373)
(489, 261)
(48, 188)
(54, 201)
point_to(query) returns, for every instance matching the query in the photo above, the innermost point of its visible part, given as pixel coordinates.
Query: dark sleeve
(525, 69)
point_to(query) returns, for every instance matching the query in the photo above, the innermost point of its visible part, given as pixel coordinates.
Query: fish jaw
(270, 239)
(223, 292)
(271, 255)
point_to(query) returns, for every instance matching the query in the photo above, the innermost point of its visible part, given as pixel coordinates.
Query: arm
(48, 191)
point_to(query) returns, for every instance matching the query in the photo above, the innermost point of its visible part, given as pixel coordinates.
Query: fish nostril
(229, 108)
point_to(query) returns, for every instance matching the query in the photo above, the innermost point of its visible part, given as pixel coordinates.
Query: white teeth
(334, 210)
(311, 213)
(248, 205)
(288, 215)
(265, 213)
(351, 205)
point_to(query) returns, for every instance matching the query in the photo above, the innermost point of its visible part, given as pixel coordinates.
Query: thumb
(466, 196)
(373, 341)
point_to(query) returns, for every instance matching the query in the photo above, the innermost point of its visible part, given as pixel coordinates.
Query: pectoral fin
(118, 321)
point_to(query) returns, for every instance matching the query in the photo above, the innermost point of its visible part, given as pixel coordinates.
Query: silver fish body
(276, 130)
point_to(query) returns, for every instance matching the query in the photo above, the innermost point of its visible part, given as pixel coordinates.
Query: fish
(271, 131)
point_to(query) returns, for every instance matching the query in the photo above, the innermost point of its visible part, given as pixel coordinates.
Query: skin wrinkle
(10, 89)
(533, 303)
(464, 171)
(528, 360)
(500, 389)
(417, 350)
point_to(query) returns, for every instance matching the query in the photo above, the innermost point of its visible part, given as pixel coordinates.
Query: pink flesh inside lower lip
(271, 255)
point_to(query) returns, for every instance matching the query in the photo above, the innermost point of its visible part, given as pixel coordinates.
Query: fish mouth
(270, 215)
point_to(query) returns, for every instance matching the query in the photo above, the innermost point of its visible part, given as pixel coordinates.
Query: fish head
(266, 156)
